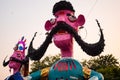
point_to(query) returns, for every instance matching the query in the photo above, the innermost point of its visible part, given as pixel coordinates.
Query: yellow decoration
(45, 71)
(86, 72)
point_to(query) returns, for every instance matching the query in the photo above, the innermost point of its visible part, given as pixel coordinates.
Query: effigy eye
(52, 21)
(20, 47)
(72, 18)
(68, 14)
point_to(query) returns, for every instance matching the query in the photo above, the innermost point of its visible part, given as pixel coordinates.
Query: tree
(101, 61)
(46, 62)
(107, 65)
(110, 73)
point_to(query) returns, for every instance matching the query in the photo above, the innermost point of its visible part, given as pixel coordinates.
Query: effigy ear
(81, 20)
(48, 25)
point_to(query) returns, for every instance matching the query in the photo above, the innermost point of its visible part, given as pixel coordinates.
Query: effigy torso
(66, 69)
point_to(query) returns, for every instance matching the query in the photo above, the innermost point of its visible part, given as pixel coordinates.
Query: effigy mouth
(62, 32)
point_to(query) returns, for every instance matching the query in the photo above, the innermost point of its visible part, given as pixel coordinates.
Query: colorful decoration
(16, 61)
(62, 30)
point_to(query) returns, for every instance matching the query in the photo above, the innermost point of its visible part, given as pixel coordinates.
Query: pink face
(16, 55)
(63, 39)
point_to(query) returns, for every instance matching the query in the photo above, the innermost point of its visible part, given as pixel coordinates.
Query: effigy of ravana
(16, 61)
(62, 30)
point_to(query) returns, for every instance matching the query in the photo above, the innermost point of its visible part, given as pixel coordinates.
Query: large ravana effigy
(62, 29)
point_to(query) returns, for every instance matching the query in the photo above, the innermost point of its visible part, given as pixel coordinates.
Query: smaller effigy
(16, 61)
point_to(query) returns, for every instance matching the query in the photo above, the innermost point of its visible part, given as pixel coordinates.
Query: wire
(91, 8)
(87, 17)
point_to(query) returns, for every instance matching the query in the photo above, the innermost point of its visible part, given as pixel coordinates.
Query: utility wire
(91, 9)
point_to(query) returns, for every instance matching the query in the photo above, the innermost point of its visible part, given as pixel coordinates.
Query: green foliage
(107, 65)
(110, 73)
(46, 62)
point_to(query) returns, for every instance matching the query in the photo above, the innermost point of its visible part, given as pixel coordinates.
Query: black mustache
(24, 61)
(37, 54)
(90, 49)
(5, 63)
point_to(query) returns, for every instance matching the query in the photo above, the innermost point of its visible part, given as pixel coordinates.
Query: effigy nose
(61, 18)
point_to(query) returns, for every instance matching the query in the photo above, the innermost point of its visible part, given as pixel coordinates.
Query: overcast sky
(25, 17)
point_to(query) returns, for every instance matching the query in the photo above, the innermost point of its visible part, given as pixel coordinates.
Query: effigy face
(18, 55)
(62, 38)
(15, 59)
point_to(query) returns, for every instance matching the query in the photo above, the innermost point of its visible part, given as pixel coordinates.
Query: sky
(25, 17)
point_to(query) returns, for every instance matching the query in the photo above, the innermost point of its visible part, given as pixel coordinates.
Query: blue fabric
(96, 74)
(35, 75)
(66, 69)
(16, 76)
